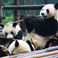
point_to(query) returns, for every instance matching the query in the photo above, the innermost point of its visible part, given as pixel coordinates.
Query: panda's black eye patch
(47, 10)
(6, 34)
(12, 33)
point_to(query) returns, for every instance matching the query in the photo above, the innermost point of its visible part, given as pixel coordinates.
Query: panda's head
(49, 10)
(10, 30)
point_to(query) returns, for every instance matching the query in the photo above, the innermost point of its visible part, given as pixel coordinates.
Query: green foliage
(8, 19)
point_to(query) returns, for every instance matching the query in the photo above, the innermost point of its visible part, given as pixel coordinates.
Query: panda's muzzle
(43, 15)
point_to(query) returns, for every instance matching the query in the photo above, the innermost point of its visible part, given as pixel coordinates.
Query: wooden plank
(52, 56)
(43, 54)
(23, 7)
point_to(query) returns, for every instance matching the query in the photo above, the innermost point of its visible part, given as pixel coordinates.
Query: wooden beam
(23, 7)
(22, 25)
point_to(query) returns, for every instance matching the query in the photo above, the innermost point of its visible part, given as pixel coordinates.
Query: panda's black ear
(14, 24)
(56, 5)
(2, 25)
(16, 43)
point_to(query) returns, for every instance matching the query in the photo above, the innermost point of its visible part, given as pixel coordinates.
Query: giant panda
(51, 11)
(20, 46)
(12, 30)
(44, 29)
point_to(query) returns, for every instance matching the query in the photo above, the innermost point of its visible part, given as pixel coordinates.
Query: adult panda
(20, 46)
(12, 30)
(50, 11)
(45, 27)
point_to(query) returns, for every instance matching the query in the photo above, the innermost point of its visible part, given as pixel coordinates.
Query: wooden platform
(51, 52)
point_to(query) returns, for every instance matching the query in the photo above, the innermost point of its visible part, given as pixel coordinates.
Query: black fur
(5, 42)
(14, 24)
(2, 25)
(47, 27)
(16, 43)
(19, 35)
(54, 42)
(47, 11)
(2, 53)
(29, 43)
(56, 6)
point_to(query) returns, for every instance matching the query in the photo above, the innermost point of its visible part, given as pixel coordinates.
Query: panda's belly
(38, 40)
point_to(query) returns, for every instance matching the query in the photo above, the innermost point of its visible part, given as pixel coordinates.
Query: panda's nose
(42, 14)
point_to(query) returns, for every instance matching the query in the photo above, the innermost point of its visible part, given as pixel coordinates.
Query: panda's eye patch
(12, 33)
(6, 34)
(47, 10)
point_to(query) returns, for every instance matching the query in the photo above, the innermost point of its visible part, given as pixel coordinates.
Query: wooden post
(0, 10)
(22, 25)
(25, 4)
(34, 12)
(16, 12)
(30, 11)
(46, 1)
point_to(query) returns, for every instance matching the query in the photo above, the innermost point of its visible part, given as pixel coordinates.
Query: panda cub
(20, 46)
(12, 30)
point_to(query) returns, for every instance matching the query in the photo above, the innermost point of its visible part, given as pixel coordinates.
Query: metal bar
(23, 7)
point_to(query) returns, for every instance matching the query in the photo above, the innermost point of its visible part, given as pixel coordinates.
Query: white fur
(23, 47)
(9, 36)
(38, 40)
(8, 28)
(52, 11)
